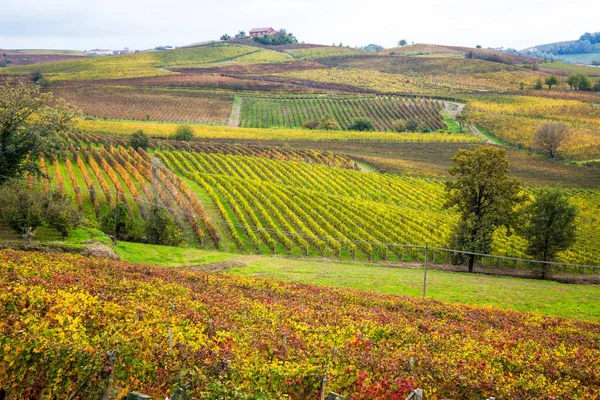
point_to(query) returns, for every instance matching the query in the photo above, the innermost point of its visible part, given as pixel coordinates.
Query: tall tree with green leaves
(551, 226)
(161, 228)
(551, 81)
(484, 195)
(31, 123)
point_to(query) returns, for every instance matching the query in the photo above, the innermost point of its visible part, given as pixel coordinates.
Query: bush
(425, 129)
(329, 124)
(361, 124)
(597, 85)
(60, 213)
(311, 124)
(400, 127)
(279, 38)
(412, 125)
(184, 132)
(36, 76)
(538, 85)
(121, 225)
(139, 140)
(20, 208)
(161, 228)
(43, 82)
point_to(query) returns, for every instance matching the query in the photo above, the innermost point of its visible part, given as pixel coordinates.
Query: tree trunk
(545, 270)
(471, 262)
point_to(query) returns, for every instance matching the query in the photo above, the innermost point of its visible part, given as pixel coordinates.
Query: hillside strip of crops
(386, 112)
(340, 212)
(264, 338)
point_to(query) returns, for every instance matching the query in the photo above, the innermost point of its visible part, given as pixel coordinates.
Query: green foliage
(372, 47)
(552, 80)
(20, 208)
(30, 123)
(551, 226)
(329, 124)
(579, 82)
(241, 35)
(161, 228)
(361, 124)
(522, 85)
(597, 85)
(279, 38)
(484, 195)
(402, 42)
(119, 223)
(538, 84)
(183, 132)
(310, 124)
(36, 76)
(60, 213)
(225, 37)
(412, 125)
(139, 140)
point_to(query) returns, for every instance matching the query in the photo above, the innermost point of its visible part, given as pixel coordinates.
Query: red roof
(257, 30)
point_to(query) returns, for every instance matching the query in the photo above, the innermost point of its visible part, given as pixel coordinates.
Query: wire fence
(386, 253)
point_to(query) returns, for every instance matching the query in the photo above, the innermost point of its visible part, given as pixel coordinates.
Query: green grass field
(547, 298)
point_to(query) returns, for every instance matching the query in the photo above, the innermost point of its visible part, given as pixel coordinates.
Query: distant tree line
(372, 47)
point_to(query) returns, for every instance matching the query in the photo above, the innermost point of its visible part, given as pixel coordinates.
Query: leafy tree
(120, 224)
(361, 124)
(412, 125)
(240, 35)
(225, 37)
(20, 208)
(280, 38)
(478, 46)
(462, 119)
(183, 132)
(579, 82)
(549, 137)
(551, 226)
(59, 213)
(30, 123)
(522, 85)
(485, 197)
(36, 76)
(402, 43)
(551, 81)
(139, 140)
(372, 47)
(161, 228)
(329, 124)
(310, 124)
(538, 84)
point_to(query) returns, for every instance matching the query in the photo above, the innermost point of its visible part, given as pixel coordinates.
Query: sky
(143, 24)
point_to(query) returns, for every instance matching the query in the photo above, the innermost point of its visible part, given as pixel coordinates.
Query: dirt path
(455, 109)
(234, 120)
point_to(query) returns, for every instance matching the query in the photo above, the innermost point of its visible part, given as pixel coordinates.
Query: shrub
(329, 124)
(36, 76)
(161, 228)
(139, 140)
(400, 127)
(184, 132)
(20, 208)
(311, 124)
(538, 84)
(597, 85)
(121, 225)
(361, 124)
(412, 125)
(60, 213)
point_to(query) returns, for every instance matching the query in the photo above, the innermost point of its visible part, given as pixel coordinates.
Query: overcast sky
(142, 24)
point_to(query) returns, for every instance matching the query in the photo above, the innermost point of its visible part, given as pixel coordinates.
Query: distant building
(496, 48)
(124, 51)
(262, 31)
(101, 52)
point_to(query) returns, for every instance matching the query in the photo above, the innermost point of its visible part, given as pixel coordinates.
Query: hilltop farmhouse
(262, 31)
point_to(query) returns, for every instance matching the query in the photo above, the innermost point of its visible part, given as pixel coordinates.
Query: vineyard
(514, 120)
(164, 130)
(205, 107)
(211, 335)
(260, 199)
(384, 111)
